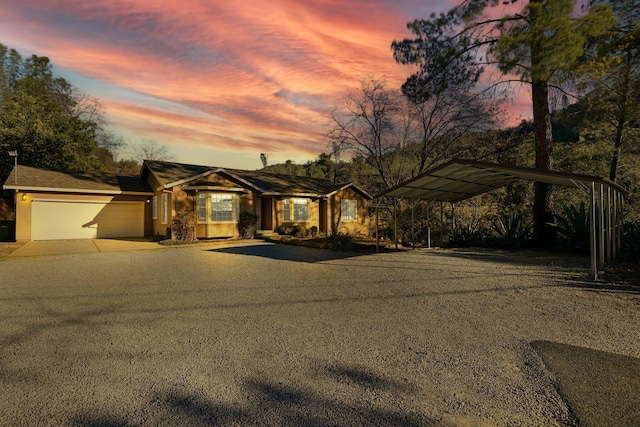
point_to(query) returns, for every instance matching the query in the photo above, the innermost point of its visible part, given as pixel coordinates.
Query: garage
(81, 219)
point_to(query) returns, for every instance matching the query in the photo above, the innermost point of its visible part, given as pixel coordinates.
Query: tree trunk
(621, 121)
(543, 232)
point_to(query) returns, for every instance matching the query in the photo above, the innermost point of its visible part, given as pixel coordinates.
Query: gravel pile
(264, 334)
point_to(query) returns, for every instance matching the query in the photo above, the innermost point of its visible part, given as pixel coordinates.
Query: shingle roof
(285, 184)
(169, 173)
(52, 179)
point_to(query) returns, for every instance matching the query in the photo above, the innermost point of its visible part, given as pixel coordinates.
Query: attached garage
(79, 219)
(63, 205)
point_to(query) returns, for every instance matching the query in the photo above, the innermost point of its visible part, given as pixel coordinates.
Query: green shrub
(183, 227)
(248, 225)
(284, 230)
(630, 242)
(466, 237)
(314, 231)
(512, 228)
(339, 241)
(300, 231)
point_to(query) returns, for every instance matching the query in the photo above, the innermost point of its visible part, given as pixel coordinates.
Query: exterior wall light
(24, 197)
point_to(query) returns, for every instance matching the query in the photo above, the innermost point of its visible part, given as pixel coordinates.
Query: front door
(266, 213)
(323, 216)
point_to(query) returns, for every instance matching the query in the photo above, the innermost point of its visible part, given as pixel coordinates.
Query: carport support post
(614, 224)
(608, 233)
(592, 231)
(378, 225)
(428, 226)
(620, 219)
(601, 235)
(413, 230)
(453, 222)
(395, 222)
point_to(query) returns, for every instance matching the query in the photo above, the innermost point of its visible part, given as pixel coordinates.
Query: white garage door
(60, 220)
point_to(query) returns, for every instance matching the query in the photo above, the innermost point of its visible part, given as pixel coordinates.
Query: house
(54, 204)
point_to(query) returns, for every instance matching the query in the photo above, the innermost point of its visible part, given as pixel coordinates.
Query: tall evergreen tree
(538, 46)
(612, 84)
(48, 121)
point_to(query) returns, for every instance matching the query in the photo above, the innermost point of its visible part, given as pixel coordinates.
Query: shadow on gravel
(287, 253)
(364, 378)
(517, 257)
(603, 286)
(93, 420)
(602, 389)
(275, 403)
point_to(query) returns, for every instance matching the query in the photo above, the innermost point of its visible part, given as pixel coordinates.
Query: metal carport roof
(460, 179)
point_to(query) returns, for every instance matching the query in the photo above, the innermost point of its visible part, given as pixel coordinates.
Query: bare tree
(111, 142)
(374, 123)
(149, 149)
(444, 118)
(264, 159)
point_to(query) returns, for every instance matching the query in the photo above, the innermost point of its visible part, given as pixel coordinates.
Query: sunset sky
(219, 82)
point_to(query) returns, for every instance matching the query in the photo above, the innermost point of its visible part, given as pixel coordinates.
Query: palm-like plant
(572, 227)
(512, 228)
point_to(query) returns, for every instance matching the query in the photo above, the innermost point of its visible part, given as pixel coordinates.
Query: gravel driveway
(264, 334)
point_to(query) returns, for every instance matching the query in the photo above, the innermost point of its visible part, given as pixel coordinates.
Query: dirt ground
(249, 333)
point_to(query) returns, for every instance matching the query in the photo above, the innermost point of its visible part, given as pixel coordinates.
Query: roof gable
(170, 174)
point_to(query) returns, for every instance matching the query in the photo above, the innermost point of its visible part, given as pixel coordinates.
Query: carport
(459, 179)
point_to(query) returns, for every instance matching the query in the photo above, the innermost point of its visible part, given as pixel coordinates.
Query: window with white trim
(295, 209)
(216, 207)
(154, 207)
(300, 209)
(164, 213)
(348, 210)
(286, 209)
(202, 207)
(221, 207)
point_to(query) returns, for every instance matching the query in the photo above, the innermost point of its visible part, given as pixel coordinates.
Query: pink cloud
(249, 76)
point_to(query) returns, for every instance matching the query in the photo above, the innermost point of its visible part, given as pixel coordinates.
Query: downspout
(15, 215)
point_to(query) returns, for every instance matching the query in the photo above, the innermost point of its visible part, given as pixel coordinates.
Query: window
(299, 212)
(286, 207)
(348, 210)
(154, 207)
(202, 207)
(221, 207)
(300, 209)
(164, 214)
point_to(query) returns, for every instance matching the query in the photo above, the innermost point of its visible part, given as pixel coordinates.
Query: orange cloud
(249, 76)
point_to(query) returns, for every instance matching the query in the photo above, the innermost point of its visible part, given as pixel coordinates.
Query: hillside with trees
(582, 67)
(582, 70)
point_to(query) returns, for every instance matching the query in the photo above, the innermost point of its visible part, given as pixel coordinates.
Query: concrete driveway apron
(61, 247)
